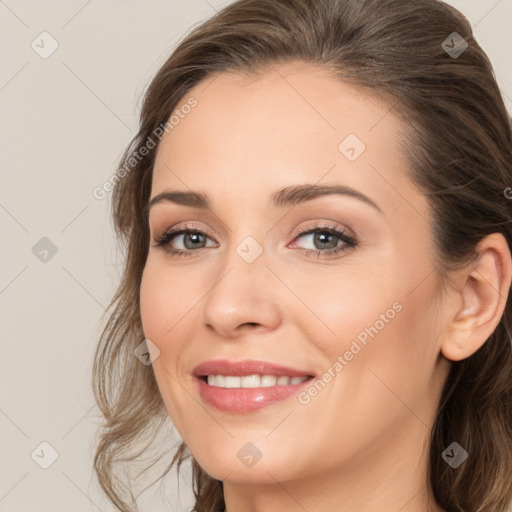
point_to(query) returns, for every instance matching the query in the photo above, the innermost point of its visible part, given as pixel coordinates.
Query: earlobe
(481, 299)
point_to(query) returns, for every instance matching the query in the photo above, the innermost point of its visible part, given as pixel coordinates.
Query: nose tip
(241, 303)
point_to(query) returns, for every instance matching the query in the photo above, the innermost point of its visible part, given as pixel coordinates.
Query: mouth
(252, 381)
(246, 386)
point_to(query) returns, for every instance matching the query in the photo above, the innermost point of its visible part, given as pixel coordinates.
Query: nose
(244, 297)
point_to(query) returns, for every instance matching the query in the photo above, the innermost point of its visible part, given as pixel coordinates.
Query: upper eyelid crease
(350, 241)
(288, 196)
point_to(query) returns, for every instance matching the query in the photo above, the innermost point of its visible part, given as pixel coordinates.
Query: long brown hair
(459, 149)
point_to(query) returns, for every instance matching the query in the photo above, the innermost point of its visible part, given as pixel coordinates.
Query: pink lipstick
(249, 385)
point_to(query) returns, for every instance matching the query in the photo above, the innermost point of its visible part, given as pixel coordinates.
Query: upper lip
(246, 367)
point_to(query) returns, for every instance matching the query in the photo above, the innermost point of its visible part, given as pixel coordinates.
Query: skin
(360, 445)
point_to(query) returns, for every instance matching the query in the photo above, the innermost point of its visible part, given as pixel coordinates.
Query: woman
(318, 264)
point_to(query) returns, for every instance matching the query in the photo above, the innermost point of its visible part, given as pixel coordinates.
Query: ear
(480, 299)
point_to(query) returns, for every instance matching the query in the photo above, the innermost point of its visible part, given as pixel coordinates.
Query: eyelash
(349, 241)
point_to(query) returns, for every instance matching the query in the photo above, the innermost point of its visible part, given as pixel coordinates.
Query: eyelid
(345, 235)
(347, 242)
(324, 225)
(191, 226)
(186, 226)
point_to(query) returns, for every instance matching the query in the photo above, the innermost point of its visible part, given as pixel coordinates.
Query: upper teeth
(252, 381)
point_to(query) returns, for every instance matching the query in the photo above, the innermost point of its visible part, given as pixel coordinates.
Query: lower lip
(246, 399)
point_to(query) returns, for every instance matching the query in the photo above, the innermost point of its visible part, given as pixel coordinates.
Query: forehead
(291, 124)
(287, 102)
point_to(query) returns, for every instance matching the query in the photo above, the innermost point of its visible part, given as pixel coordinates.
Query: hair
(458, 148)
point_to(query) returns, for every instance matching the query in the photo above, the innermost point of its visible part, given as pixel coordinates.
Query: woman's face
(269, 278)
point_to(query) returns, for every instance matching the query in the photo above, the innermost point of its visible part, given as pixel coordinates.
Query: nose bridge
(241, 293)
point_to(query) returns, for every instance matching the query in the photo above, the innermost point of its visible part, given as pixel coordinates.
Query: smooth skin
(361, 444)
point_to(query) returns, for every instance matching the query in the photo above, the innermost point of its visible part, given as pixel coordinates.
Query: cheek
(379, 319)
(397, 333)
(151, 299)
(341, 305)
(161, 309)
(165, 299)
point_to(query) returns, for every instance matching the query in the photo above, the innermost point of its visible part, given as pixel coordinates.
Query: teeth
(248, 381)
(252, 381)
(268, 380)
(231, 382)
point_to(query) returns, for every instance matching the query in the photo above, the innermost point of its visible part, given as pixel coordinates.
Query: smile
(252, 381)
(248, 385)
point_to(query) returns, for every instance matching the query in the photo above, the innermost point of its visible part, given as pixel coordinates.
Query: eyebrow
(288, 196)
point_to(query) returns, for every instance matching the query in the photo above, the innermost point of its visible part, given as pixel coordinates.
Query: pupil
(194, 236)
(319, 238)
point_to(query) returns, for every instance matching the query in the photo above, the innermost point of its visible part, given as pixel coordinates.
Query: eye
(190, 238)
(326, 240)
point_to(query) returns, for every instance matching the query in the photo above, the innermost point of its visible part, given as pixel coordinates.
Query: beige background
(65, 122)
